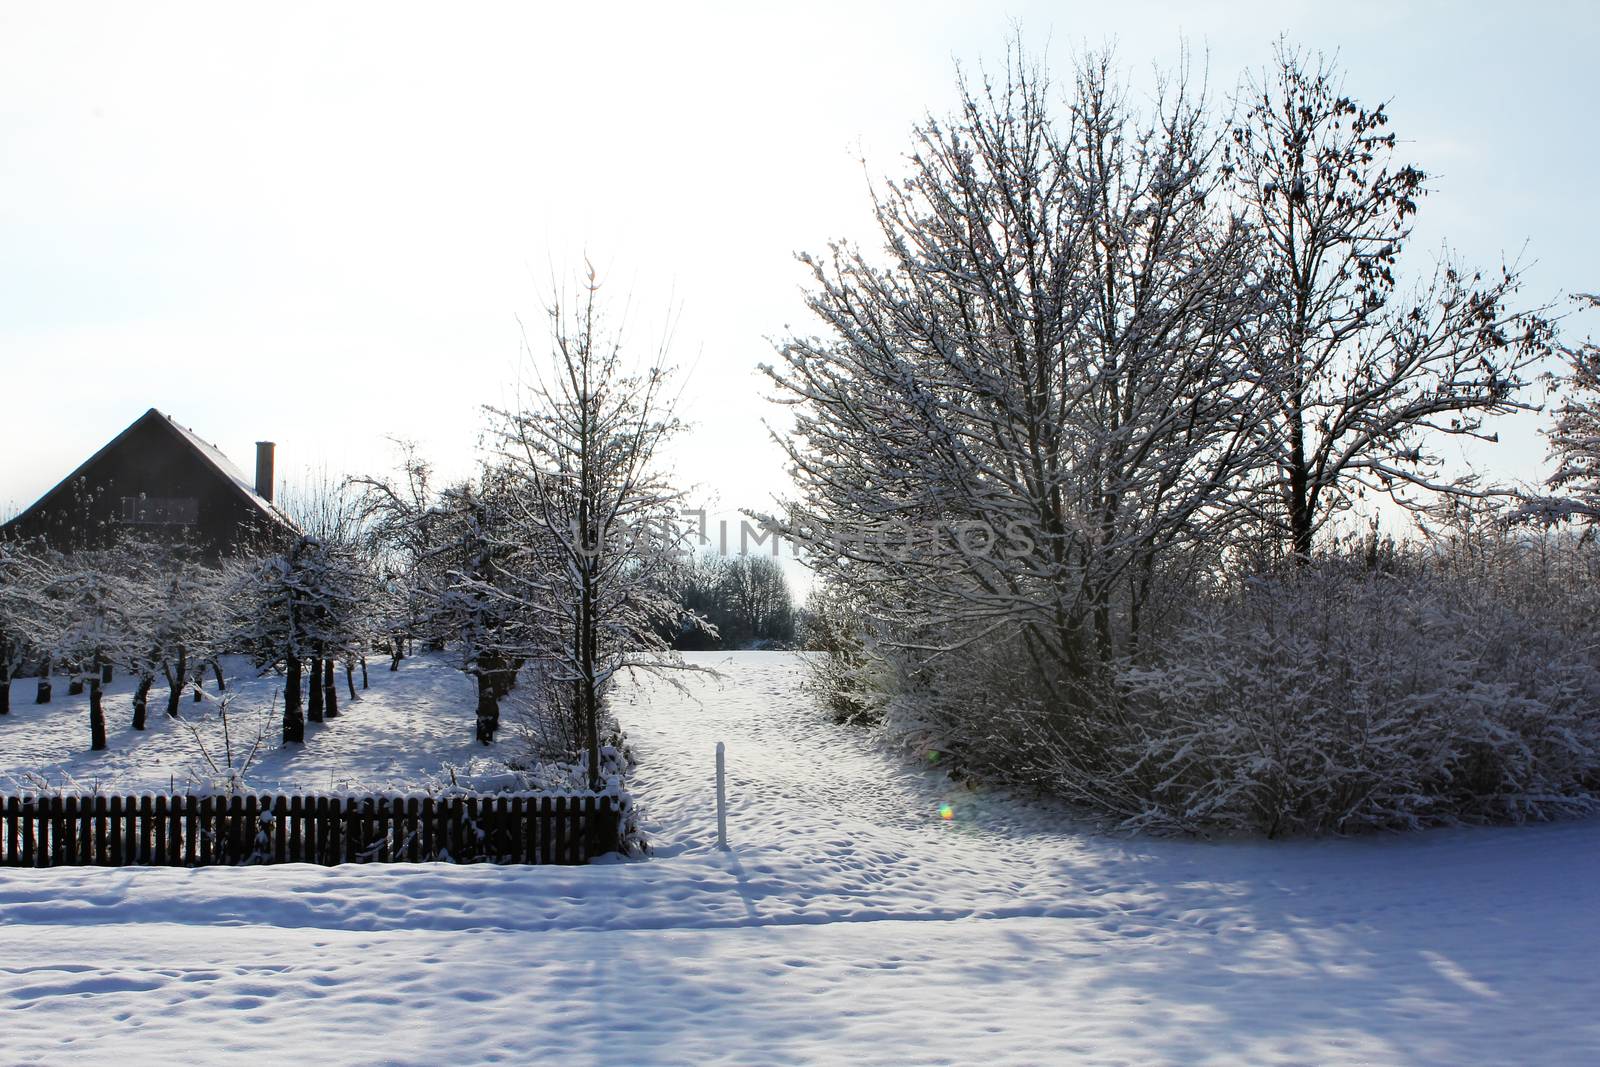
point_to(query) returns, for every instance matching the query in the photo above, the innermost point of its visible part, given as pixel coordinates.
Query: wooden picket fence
(194, 831)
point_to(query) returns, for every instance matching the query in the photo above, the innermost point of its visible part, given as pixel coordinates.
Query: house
(158, 479)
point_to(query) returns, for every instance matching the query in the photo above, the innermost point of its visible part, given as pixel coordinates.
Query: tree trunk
(97, 715)
(397, 652)
(350, 676)
(175, 679)
(314, 690)
(330, 689)
(5, 696)
(363, 670)
(106, 673)
(294, 723)
(141, 699)
(222, 683)
(589, 653)
(43, 695)
(198, 677)
(1300, 517)
(591, 718)
(75, 686)
(488, 708)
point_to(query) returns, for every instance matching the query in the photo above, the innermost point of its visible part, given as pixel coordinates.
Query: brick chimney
(264, 454)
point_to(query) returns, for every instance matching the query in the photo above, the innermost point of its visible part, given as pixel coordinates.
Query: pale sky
(320, 226)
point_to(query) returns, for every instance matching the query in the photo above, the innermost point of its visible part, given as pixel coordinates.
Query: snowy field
(849, 924)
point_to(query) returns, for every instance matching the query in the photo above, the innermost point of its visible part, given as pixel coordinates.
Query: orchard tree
(345, 584)
(1363, 373)
(184, 611)
(169, 606)
(464, 596)
(276, 613)
(95, 626)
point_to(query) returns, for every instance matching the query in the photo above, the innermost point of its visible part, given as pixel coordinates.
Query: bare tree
(593, 520)
(1362, 374)
(730, 602)
(758, 599)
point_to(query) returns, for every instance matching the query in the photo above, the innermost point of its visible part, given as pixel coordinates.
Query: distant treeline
(732, 602)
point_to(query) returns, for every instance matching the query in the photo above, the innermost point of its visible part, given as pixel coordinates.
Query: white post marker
(722, 799)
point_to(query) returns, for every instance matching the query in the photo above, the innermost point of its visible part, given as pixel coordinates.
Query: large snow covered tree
(1040, 405)
(1363, 374)
(594, 522)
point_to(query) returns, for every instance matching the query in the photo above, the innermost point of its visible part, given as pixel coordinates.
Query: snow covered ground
(405, 727)
(849, 924)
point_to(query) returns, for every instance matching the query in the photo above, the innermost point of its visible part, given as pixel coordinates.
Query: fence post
(722, 798)
(191, 831)
(158, 855)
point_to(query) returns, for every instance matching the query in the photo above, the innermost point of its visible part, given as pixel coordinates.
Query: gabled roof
(213, 455)
(210, 453)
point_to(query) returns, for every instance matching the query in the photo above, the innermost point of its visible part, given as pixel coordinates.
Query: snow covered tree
(183, 617)
(344, 586)
(460, 579)
(25, 611)
(299, 606)
(1362, 376)
(167, 601)
(593, 521)
(401, 525)
(1575, 435)
(1043, 405)
(94, 626)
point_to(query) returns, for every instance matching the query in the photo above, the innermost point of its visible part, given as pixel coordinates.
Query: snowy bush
(835, 627)
(548, 746)
(1459, 683)
(1335, 699)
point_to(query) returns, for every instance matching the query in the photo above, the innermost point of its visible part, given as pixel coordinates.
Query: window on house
(144, 510)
